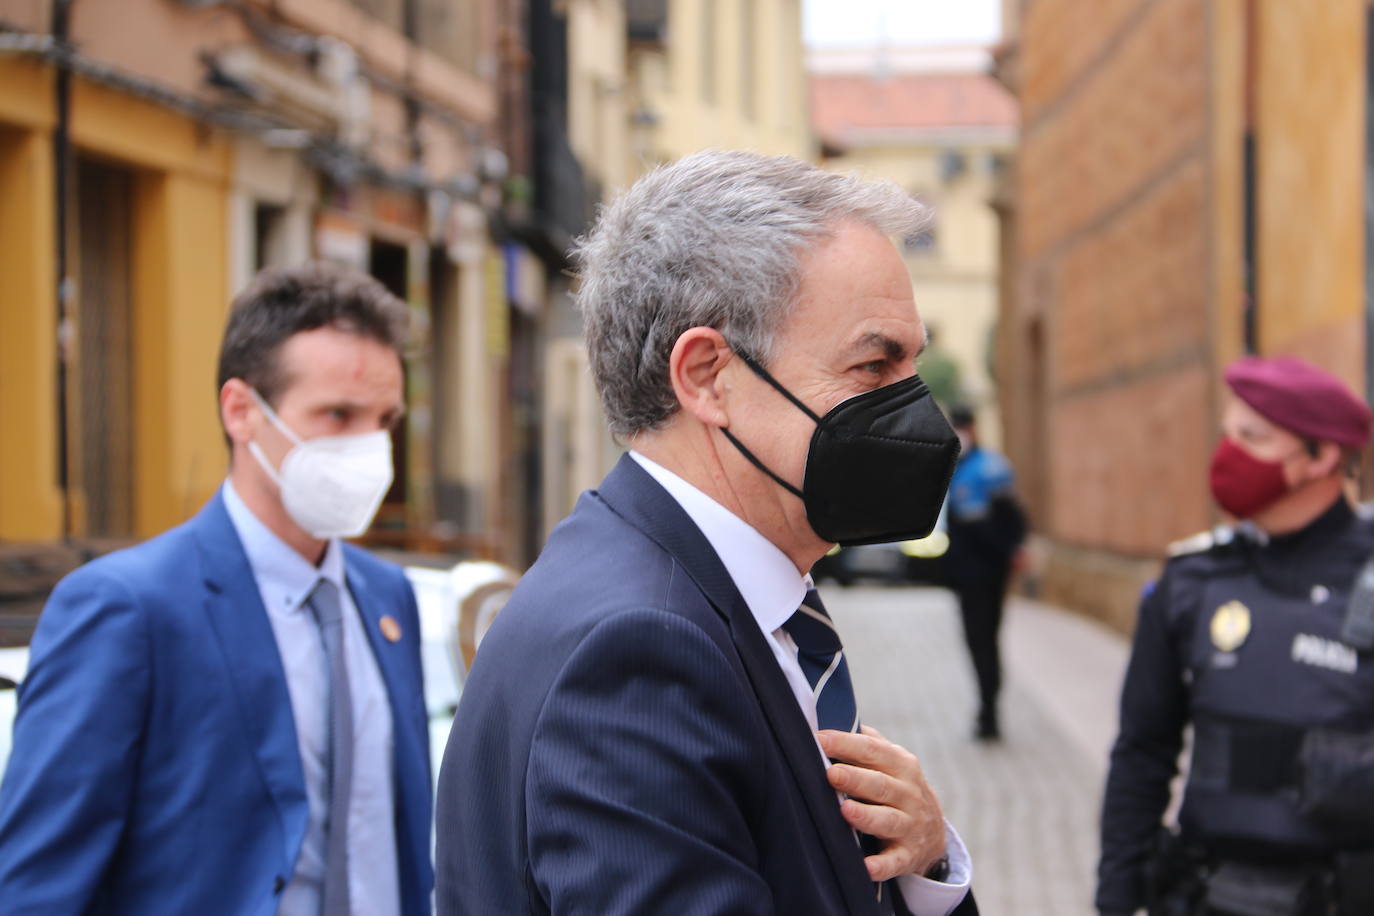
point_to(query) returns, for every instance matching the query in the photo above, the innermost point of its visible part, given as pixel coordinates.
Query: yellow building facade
(206, 142)
(718, 73)
(1191, 186)
(165, 449)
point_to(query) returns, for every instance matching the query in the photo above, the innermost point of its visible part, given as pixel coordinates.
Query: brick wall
(1127, 279)
(1113, 254)
(1112, 259)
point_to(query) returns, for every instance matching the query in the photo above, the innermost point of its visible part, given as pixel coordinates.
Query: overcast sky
(903, 22)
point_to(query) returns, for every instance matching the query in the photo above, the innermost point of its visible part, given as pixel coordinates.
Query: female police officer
(1247, 637)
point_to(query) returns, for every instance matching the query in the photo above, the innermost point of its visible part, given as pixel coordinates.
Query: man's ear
(237, 411)
(694, 368)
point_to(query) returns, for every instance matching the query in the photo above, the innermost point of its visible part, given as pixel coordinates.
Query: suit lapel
(239, 621)
(636, 496)
(404, 698)
(394, 660)
(372, 607)
(397, 673)
(794, 735)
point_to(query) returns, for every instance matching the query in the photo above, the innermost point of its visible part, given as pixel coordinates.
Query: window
(100, 387)
(921, 243)
(952, 165)
(269, 236)
(389, 264)
(924, 242)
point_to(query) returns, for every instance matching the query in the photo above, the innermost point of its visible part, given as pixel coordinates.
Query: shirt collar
(279, 570)
(767, 580)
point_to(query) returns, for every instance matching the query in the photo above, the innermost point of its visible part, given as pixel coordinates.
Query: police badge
(1230, 626)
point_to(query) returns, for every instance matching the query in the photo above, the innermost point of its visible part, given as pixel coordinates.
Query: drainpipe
(411, 28)
(62, 162)
(1250, 168)
(1369, 208)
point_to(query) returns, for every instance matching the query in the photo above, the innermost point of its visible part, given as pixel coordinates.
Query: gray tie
(328, 610)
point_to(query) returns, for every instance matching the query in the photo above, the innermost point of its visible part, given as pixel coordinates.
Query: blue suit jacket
(627, 744)
(155, 766)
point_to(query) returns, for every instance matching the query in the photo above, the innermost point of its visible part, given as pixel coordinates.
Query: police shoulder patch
(1202, 542)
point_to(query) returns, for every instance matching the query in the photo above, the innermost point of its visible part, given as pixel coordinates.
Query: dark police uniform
(1242, 638)
(1248, 637)
(986, 526)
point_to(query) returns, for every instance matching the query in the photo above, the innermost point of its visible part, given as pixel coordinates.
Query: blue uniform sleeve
(997, 474)
(637, 773)
(77, 736)
(1154, 711)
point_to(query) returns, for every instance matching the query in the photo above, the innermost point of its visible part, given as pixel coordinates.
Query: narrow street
(1027, 806)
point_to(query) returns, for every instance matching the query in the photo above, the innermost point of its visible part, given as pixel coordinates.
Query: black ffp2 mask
(879, 463)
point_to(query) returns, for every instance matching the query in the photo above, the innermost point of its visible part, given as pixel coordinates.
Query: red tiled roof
(841, 103)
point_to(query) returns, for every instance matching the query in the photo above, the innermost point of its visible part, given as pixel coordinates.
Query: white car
(457, 606)
(13, 664)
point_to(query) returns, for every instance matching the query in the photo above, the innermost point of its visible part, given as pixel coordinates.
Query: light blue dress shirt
(285, 580)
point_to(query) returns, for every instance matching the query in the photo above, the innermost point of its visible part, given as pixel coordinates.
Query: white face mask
(330, 486)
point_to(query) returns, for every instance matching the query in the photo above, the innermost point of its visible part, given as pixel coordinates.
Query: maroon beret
(1301, 398)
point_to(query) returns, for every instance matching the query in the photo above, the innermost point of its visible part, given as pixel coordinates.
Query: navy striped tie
(821, 656)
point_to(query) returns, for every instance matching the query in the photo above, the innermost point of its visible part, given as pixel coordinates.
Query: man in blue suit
(229, 718)
(662, 718)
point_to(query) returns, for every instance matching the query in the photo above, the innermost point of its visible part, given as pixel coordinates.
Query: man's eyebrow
(892, 349)
(341, 404)
(396, 410)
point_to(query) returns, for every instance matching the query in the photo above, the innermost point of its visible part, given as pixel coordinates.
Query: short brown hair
(284, 301)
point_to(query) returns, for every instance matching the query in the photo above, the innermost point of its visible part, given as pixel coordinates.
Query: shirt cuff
(925, 897)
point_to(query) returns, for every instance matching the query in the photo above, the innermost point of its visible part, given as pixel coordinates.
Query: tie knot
(324, 601)
(811, 628)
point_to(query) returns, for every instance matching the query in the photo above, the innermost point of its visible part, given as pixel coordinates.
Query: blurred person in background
(986, 528)
(1259, 637)
(662, 719)
(229, 718)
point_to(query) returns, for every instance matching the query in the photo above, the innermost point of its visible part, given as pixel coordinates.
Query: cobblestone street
(1027, 807)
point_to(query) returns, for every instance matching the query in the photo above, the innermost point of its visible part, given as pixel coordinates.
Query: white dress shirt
(771, 586)
(285, 580)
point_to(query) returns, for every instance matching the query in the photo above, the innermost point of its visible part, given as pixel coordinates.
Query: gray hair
(712, 240)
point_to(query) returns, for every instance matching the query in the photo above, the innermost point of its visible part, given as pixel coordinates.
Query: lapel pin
(390, 628)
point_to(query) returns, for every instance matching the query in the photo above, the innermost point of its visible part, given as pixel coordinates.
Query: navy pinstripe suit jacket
(626, 743)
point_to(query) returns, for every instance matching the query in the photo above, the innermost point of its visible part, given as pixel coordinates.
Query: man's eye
(875, 367)
(340, 414)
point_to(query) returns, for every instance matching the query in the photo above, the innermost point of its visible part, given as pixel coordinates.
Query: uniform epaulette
(1203, 541)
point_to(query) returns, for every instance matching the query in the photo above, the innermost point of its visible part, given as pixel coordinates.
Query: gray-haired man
(662, 719)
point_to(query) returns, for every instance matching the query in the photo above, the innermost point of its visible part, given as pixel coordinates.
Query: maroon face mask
(1242, 484)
